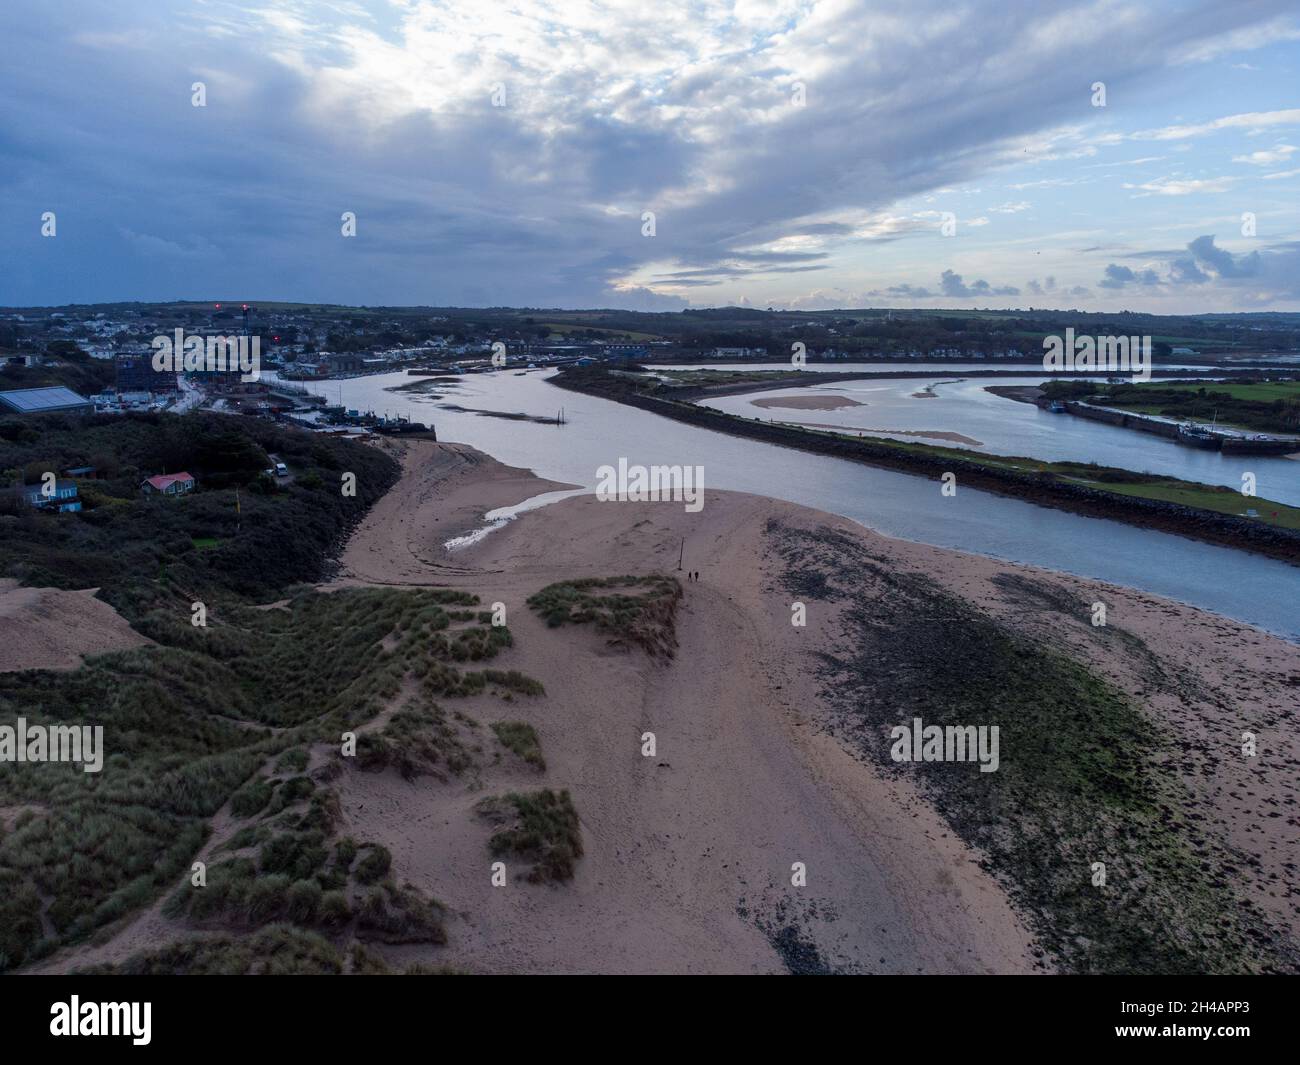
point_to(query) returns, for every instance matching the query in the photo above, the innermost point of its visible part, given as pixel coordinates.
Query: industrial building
(44, 401)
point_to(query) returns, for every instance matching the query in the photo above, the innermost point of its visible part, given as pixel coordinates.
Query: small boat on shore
(1057, 407)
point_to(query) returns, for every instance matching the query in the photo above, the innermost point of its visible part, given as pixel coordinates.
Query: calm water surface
(598, 432)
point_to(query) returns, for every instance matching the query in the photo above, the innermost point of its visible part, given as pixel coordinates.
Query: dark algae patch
(801, 956)
(1080, 779)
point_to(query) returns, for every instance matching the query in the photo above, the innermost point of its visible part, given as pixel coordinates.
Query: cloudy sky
(794, 153)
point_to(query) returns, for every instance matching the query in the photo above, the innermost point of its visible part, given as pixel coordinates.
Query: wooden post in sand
(680, 554)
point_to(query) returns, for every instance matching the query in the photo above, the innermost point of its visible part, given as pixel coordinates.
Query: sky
(799, 154)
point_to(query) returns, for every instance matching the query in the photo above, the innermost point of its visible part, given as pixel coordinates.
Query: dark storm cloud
(1262, 275)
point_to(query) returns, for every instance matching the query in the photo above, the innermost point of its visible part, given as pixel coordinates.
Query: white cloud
(1183, 187)
(1251, 120)
(1244, 39)
(612, 108)
(1266, 157)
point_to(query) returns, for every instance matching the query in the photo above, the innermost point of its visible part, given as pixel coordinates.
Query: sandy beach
(742, 787)
(806, 402)
(689, 854)
(748, 781)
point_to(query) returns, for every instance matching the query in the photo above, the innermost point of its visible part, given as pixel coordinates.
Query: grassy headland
(255, 535)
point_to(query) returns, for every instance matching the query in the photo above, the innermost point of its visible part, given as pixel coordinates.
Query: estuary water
(598, 432)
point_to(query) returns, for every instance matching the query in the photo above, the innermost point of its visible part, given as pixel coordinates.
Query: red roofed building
(168, 484)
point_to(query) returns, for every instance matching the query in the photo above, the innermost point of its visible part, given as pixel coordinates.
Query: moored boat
(1198, 436)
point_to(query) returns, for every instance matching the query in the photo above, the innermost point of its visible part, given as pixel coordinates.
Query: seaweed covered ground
(1084, 780)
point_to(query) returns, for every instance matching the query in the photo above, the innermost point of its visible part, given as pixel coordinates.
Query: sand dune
(48, 628)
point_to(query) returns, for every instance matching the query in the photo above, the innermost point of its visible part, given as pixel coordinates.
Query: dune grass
(540, 827)
(521, 738)
(278, 950)
(178, 745)
(631, 610)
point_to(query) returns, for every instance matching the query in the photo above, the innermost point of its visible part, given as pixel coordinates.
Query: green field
(1252, 391)
(608, 334)
(708, 378)
(1260, 406)
(1207, 497)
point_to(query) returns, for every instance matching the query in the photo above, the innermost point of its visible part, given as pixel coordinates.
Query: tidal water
(598, 432)
(997, 426)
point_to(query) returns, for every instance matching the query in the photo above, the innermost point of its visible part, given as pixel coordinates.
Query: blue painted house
(63, 498)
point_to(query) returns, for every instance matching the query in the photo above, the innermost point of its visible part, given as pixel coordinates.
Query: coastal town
(271, 364)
